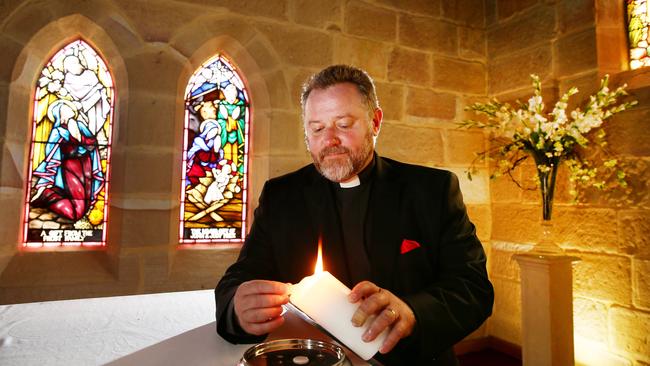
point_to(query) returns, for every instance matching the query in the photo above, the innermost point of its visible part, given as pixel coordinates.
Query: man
(397, 234)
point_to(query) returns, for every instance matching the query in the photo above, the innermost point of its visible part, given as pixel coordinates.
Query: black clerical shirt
(352, 206)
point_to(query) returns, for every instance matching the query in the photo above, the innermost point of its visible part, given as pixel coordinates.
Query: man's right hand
(258, 305)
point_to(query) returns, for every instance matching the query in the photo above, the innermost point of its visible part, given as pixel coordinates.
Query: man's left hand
(389, 310)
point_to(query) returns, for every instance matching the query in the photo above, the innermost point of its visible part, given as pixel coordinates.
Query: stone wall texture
(429, 59)
(563, 42)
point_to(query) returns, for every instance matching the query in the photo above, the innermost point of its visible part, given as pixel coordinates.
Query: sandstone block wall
(415, 50)
(574, 43)
(430, 58)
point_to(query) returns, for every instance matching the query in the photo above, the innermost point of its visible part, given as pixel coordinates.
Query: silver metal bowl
(292, 352)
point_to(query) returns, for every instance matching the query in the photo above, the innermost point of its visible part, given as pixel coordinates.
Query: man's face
(340, 131)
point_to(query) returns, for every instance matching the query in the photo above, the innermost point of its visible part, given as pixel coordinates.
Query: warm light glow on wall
(591, 353)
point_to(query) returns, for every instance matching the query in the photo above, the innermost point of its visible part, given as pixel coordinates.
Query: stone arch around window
(32, 55)
(611, 37)
(150, 78)
(256, 63)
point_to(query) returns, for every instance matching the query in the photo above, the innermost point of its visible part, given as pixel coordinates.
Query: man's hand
(258, 305)
(389, 310)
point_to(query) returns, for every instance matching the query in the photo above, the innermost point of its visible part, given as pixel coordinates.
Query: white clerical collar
(354, 182)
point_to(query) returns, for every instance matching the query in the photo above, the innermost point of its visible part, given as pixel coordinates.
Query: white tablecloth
(98, 330)
(158, 329)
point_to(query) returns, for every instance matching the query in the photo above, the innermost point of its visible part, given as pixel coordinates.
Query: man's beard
(342, 168)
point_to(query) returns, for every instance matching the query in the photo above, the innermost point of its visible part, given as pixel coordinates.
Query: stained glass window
(638, 21)
(215, 155)
(70, 151)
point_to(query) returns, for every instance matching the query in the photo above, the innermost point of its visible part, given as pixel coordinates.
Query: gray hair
(337, 74)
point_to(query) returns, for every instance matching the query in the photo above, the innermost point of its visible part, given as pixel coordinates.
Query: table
(156, 329)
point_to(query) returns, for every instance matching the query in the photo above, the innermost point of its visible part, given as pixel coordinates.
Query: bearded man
(397, 234)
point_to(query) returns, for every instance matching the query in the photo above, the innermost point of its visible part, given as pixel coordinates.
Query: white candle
(325, 299)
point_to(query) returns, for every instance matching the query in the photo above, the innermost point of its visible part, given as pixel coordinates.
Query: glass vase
(546, 244)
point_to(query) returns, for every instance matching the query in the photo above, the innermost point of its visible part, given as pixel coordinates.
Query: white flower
(555, 136)
(535, 102)
(538, 118)
(548, 128)
(560, 116)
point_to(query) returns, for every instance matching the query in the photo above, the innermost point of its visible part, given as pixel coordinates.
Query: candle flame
(319, 260)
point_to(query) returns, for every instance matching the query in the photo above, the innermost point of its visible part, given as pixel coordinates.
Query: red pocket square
(408, 245)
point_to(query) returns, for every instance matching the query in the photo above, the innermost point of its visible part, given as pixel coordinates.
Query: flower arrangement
(551, 138)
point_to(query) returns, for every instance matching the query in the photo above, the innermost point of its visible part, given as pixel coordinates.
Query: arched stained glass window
(215, 155)
(638, 22)
(70, 151)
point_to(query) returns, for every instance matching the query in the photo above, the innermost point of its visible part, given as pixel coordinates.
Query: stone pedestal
(546, 309)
